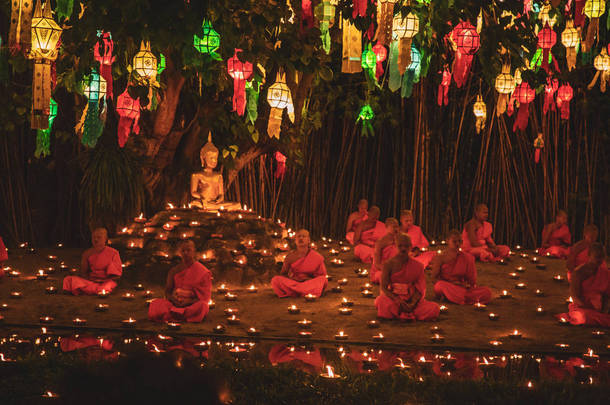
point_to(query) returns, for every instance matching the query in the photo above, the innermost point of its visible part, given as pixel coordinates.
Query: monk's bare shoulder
(87, 253)
(291, 257)
(471, 225)
(385, 240)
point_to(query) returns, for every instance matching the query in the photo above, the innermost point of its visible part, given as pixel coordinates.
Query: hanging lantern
(570, 38)
(538, 146)
(480, 113)
(547, 38)
(550, 88)
(504, 84)
(404, 31)
(240, 72)
(278, 97)
(209, 41)
(359, 8)
(145, 62)
(280, 169)
(369, 64)
(411, 76)
(306, 16)
(467, 42)
(602, 65)
(565, 93)
(385, 19)
(252, 93)
(43, 136)
(45, 36)
(443, 87)
(352, 48)
(91, 124)
(325, 13)
(19, 35)
(593, 9)
(527, 7)
(105, 58)
(366, 115)
(381, 54)
(524, 94)
(128, 109)
(545, 16)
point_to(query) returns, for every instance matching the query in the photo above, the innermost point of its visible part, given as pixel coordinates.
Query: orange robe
(456, 274)
(419, 241)
(102, 266)
(580, 259)
(483, 253)
(559, 243)
(387, 253)
(198, 280)
(307, 275)
(350, 235)
(593, 291)
(404, 283)
(365, 249)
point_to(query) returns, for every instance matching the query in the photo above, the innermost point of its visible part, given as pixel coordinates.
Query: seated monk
(403, 287)
(100, 268)
(579, 253)
(3, 256)
(207, 187)
(420, 243)
(366, 234)
(590, 291)
(457, 275)
(355, 218)
(187, 291)
(556, 238)
(385, 249)
(305, 270)
(477, 237)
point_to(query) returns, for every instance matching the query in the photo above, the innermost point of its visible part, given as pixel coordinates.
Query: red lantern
(307, 17)
(129, 113)
(564, 96)
(467, 42)
(549, 92)
(579, 16)
(443, 88)
(381, 53)
(105, 59)
(281, 165)
(359, 8)
(524, 94)
(547, 38)
(240, 72)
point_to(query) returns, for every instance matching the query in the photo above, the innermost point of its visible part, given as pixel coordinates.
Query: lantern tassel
(384, 23)
(443, 88)
(275, 122)
(522, 117)
(579, 16)
(537, 155)
(93, 125)
(395, 79)
(549, 95)
(239, 96)
(252, 94)
(404, 54)
(501, 104)
(461, 68)
(19, 36)
(125, 124)
(592, 33)
(280, 169)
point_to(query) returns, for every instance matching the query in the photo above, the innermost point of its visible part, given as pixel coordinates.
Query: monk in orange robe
(100, 268)
(579, 253)
(556, 237)
(477, 237)
(420, 250)
(366, 234)
(385, 249)
(304, 269)
(457, 275)
(187, 291)
(590, 291)
(3, 256)
(403, 287)
(355, 219)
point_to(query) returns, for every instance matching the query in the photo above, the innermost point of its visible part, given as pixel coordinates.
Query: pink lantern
(467, 42)
(443, 88)
(105, 59)
(281, 165)
(547, 38)
(240, 72)
(129, 113)
(565, 93)
(359, 8)
(307, 16)
(524, 94)
(381, 53)
(549, 92)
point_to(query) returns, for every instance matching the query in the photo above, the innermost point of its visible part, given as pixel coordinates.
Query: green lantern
(369, 64)
(43, 136)
(325, 13)
(366, 115)
(209, 41)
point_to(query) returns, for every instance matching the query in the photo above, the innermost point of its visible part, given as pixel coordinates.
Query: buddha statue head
(209, 154)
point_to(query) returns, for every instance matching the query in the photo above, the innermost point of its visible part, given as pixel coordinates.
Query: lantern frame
(96, 87)
(45, 32)
(145, 62)
(369, 58)
(127, 106)
(570, 38)
(237, 69)
(524, 94)
(278, 94)
(547, 37)
(505, 82)
(466, 38)
(209, 41)
(565, 93)
(594, 8)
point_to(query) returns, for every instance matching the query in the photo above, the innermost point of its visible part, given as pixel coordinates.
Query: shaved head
(391, 222)
(454, 232)
(406, 213)
(363, 204)
(374, 212)
(481, 207)
(404, 239)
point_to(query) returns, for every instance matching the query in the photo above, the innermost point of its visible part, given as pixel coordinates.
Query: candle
(535, 259)
(436, 338)
(495, 343)
(79, 322)
(505, 294)
(379, 337)
(493, 317)
(202, 346)
(46, 319)
(363, 273)
(102, 294)
(293, 309)
(518, 247)
(128, 297)
(304, 324)
(253, 332)
(433, 242)
(562, 346)
(265, 253)
(558, 278)
(590, 357)
(173, 326)
(436, 329)
(540, 310)
(219, 329)
(337, 262)
(345, 248)
(194, 224)
(372, 324)
(310, 297)
(520, 269)
(444, 309)
(148, 302)
(539, 293)
(230, 297)
(367, 286)
(41, 275)
(138, 287)
(49, 394)
(129, 323)
(334, 252)
(4, 306)
(101, 307)
(369, 363)
(502, 262)
(329, 277)
(345, 311)
(252, 289)
(341, 335)
(515, 334)
(233, 320)
(222, 289)
(231, 311)
(569, 300)
(480, 307)
(367, 294)
(329, 373)
(14, 273)
(211, 304)
(337, 289)
(563, 321)
(524, 255)
(140, 219)
(520, 286)
(514, 276)
(304, 334)
(51, 290)
(598, 334)
(148, 294)
(346, 303)
(174, 218)
(16, 295)
(51, 258)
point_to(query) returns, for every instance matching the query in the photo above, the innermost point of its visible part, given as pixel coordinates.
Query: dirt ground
(463, 327)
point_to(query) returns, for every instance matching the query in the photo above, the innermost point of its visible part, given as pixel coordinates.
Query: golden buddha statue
(207, 188)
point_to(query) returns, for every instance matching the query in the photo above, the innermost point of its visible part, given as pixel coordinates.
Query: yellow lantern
(602, 65)
(545, 16)
(45, 35)
(352, 48)
(504, 84)
(570, 38)
(404, 29)
(145, 62)
(480, 112)
(385, 16)
(279, 98)
(19, 35)
(593, 9)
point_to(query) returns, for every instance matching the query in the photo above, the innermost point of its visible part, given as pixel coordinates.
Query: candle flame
(155, 348)
(330, 372)
(590, 351)
(170, 205)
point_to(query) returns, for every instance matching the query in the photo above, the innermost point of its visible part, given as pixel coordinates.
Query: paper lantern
(467, 42)
(366, 116)
(45, 34)
(547, 38)
(105, 58)
(95, 90)
(279, 98)
(404, 31)
(524, 94)
(280, 169)
(145, 62)
(128, 109)
(412, 73)
(602, 65)
(306, 15)
(352, 48)
(545, 16)
(593, 9)
(550, 88)
(381, 54)
(325, 13)
(565, 93)
(19, 35)
(209, 41)
(504, 84)
(43, 136)
(240, 72)
(479, 110)
(443, 88)
(369, 64)
(538, 146)
(570, 38)
(385, 19)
